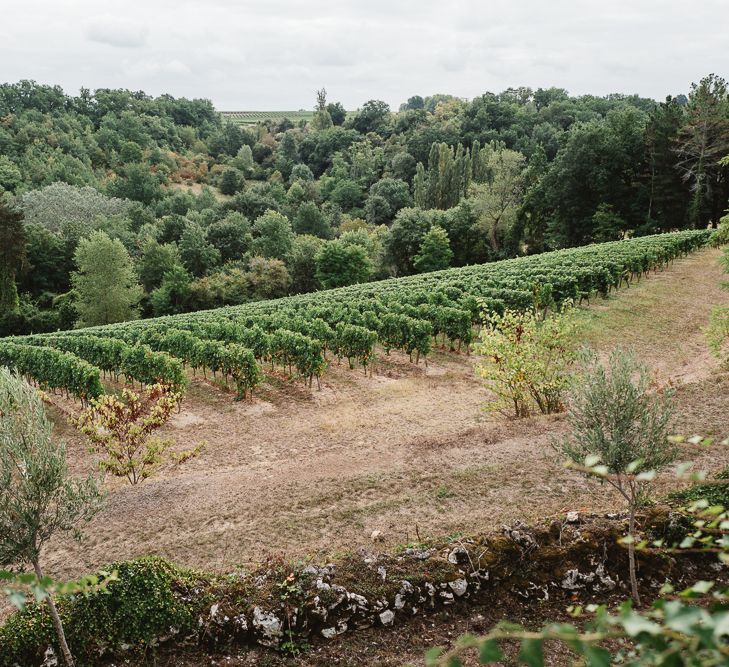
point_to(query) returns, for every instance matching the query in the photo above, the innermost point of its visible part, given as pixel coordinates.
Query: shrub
(714, 494)
(146, 601)
(527, 360)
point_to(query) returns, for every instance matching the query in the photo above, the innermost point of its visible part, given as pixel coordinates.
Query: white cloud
(116, 31)
(249, 54)
(154, 68)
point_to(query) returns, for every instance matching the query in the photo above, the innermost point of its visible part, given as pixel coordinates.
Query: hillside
(408, 452)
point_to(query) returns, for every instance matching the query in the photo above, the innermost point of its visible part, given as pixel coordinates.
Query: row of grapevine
(53, 369)
(232, 361)
(114, 356)
(410, 313)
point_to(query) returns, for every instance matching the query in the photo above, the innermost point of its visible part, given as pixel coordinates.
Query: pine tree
(703, 141)
(668, 199)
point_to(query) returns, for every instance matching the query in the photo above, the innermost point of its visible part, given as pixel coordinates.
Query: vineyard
(299, 334)
(253, 117)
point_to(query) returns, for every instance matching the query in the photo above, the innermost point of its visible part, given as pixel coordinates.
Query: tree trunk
(631, 550)
(67, 657)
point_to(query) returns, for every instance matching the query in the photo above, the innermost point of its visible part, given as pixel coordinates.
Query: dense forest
(115, 204)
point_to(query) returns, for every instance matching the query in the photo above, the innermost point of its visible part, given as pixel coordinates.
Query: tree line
(117, 205)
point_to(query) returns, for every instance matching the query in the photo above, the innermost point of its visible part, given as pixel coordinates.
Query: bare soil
(409, 452)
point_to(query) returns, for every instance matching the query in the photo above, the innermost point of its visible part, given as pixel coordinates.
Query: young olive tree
(122, 431)
(620, 422)
(526, 360)
(37, 496)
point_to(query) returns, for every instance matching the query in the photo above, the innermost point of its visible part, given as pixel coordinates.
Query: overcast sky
(273, 54)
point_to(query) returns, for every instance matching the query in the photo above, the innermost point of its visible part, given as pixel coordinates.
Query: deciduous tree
(105, 282)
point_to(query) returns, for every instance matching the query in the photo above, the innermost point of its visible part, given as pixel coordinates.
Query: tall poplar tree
(12, 253)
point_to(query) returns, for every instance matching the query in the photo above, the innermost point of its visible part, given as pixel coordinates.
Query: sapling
(122, 431)
(620, 431)
(37, 496)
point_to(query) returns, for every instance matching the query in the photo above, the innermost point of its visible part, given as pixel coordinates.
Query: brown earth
(408, 452)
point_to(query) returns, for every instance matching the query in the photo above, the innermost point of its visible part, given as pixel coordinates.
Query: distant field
(253, 117)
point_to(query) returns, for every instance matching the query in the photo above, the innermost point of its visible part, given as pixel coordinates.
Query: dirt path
(404, 452)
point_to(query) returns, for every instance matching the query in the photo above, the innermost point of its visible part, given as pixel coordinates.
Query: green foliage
(231, 236)
(407, 234)
(617, 421)
(713, 494)
(37, 496)
(231, 182)
(616, 415)
(338, 264)
(156, 260)
(372, 117)
(12, 253)
(720, 236)
(310, 220)
(273, 236)
(607, 225)
(406, 333)
(173, 294)
(670, 632)
(702, 144)
(497, 199)
(18, 586)
(302, 265)
(145, 601)
(136, 182)
(447, 178)
(435, 251)
(74, 210)
(121, 431)
(136, 362)
(198, 255)
(527, 360)
(355, 343)
(105, 282)
(53, 369)
(406, 314)
(348, 195)
(293, 349)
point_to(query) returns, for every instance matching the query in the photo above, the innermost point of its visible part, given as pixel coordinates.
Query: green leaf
(532, 652)
(702, 586)
(597, 657)
(432, 655)
(721, 625)
(490, 652)
(17, 599)
(635, 625)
